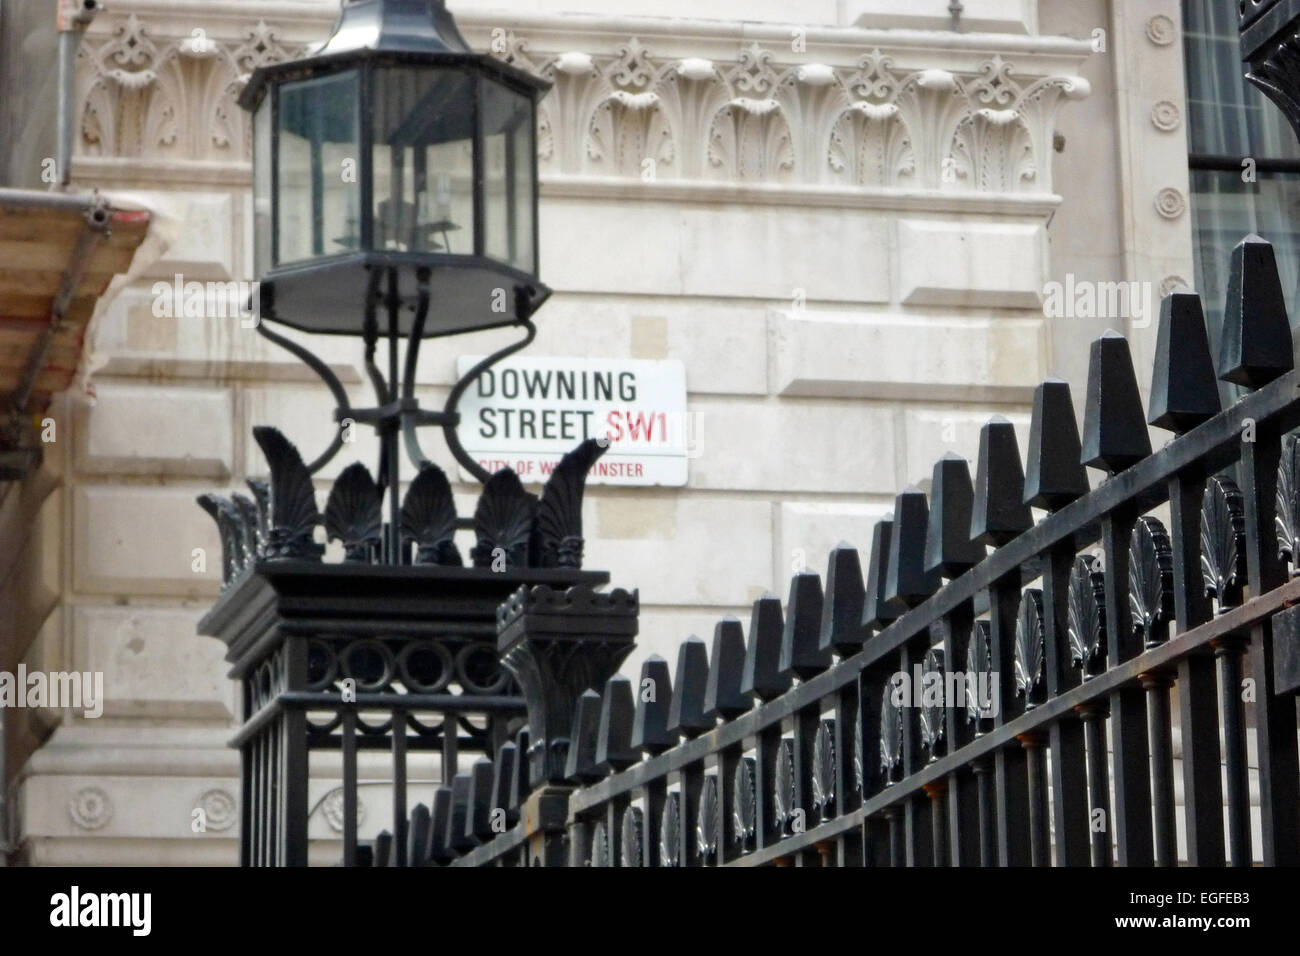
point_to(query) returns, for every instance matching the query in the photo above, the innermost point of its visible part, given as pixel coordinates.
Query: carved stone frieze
(647, 109)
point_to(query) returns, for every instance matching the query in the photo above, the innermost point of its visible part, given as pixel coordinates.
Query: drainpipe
(74, 17)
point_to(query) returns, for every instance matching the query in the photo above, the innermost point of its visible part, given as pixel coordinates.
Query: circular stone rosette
(332, 809)
(90, 808)
(218, 808)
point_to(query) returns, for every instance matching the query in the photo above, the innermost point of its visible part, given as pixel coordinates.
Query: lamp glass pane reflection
(508, 152)
(423, 127)
(318, 210)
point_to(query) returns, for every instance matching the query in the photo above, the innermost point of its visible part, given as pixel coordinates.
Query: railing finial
(908, 581)
(1000, 512)
(1255, 346)
(1114, 425)
(1054, 472)
(800, 654)
(1183, 390)
(841, 625)
(949, 549)
(687, 714)
(763, 677)
(724, 696)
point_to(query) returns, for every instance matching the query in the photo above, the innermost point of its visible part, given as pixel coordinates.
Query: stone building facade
(840, 215)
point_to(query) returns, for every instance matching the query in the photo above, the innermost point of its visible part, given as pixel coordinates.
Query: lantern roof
(421, 29)
(409, 26)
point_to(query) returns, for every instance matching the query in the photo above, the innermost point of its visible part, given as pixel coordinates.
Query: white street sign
(526, 413)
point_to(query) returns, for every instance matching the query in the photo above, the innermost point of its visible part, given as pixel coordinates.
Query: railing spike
(949, 549)
(1255, 345)
(723, 696)
(478, 815)
(519, 786)
(580, 766)
(800, 654)
(417, 853)
(503, 774)
(1184, 392)
(841, 626)
(1114, 427)
(908, 581)
(763, 677)
(458, 837)
(654, 699)
(687, 715)
(999, 513)
(439, 824)
(877, 611)
(383, 850)
(614, 737)
(1054, 472)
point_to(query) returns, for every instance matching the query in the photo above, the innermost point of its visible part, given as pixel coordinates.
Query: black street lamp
(395, 196)
(395, 163)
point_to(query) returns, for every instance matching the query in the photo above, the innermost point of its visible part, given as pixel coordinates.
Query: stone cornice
(640, 99)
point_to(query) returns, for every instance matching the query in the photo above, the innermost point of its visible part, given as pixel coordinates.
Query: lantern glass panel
(262, 183)
(423, 160)
(508, 161)
(318, 202)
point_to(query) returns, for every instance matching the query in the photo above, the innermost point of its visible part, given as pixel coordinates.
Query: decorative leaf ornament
(706, 828)
(599, 845)
(1029, 646)
(631, 852)
(823, 781)
(932, 712)
(745, 809)
(262, 498)
(979, 673)
(429, 518)
(224, 513)
(250, 525)
(503, 522)
(891, 732)
(859, 768)
(352, 514)
(1223, 541)
(559, 515)
(1086, 619)
(292, 500)
(1287, 519)
(1151, 581)
(783, 798)
(670, 831)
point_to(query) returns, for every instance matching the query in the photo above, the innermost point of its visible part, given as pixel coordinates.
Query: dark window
(1229, 122)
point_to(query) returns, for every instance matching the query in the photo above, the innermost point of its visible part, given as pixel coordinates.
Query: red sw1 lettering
(636, 426)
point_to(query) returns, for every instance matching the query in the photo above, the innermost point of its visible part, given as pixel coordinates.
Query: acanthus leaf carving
(145, 94)
(755, 118)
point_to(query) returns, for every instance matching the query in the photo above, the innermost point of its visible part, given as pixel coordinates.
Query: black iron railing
(1069, 653)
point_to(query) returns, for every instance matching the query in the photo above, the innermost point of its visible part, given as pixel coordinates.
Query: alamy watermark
(947, 689)
(1086, 299)
(179, 299)
(57, 690)
(133, 911)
